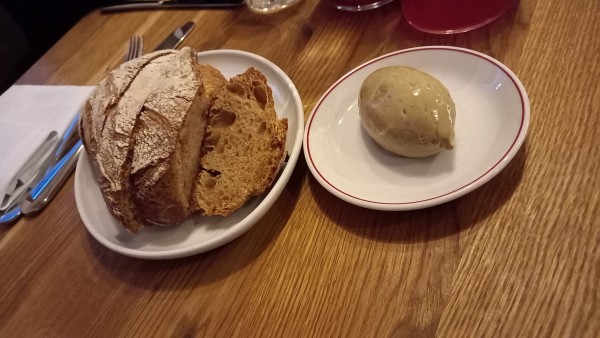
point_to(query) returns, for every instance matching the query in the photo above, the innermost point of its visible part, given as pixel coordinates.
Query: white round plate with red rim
(197, 234)
(492, 118)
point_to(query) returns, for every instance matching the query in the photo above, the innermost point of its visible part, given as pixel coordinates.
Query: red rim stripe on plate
(403, 52)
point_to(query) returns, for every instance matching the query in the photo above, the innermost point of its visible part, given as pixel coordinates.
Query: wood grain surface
(518, 257)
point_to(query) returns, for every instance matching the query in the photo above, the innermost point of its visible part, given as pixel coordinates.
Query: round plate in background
(492, 117)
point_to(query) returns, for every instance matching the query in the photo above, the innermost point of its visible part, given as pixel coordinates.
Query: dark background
(29, 28)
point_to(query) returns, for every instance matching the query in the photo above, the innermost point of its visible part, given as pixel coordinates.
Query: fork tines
(136, 47)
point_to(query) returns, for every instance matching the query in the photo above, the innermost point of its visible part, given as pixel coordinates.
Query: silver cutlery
(136, 47)
(44, 163)
(175, 38)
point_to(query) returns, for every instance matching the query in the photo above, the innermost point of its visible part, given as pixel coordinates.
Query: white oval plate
(197, 234)
(492, 117)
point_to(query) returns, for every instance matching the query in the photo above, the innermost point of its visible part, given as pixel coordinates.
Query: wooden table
(519, 257)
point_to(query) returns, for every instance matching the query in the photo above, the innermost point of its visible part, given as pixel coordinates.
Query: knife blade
(170, 4)
(175, 38)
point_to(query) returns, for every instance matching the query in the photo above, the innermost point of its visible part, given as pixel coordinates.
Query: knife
(170, 4)
(175, 38)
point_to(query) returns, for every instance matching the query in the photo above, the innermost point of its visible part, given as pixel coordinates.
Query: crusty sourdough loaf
(244, 144)
(142, 127)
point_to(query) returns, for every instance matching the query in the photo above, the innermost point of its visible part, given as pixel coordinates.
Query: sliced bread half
(244, 145)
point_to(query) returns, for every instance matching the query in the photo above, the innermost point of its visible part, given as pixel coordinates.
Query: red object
(453, 16)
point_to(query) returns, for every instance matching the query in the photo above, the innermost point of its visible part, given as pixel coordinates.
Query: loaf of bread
(143, 127)
(244, 144)
(168, 137)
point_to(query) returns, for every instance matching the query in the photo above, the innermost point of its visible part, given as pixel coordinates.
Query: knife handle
(43, 192)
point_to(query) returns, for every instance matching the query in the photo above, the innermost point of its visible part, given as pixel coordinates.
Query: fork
(136, 47)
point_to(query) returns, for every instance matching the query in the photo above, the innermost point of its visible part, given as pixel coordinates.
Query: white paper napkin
(27, 115)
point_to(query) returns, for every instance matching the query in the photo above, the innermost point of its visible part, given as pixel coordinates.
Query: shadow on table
(425, 224)
(208, 267)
